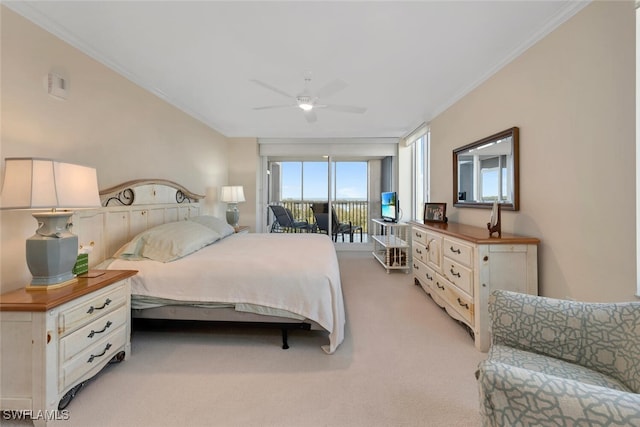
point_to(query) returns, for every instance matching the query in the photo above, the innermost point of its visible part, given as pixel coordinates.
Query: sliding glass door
(326, 186)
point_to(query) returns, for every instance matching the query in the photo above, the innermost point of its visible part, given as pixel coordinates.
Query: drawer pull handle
(463, 304)
(455, 251)
(93, 356)
(92, 333)
(92, 308)
(416, 267)
(428, 277)
(454, 273)
(418, 251)
(439, 286)
(418, 235)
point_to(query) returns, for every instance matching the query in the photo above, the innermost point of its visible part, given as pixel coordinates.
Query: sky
(350, 181)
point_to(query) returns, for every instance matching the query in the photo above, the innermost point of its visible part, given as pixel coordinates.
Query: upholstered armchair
(560, 363)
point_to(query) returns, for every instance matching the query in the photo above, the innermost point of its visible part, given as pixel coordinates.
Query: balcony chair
(283, 221)
(321, 214)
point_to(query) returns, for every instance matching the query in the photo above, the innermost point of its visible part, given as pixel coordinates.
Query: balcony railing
(356, 211)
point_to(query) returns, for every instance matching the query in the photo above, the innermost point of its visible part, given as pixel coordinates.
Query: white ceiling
(406, 62)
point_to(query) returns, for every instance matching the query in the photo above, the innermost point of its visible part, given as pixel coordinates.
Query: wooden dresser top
(475, 234)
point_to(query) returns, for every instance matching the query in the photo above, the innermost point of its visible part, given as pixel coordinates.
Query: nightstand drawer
(93, 332)
(90, 361)
(90, 309)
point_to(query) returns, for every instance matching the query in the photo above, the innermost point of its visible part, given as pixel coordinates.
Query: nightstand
(242, 229)
(55, 340)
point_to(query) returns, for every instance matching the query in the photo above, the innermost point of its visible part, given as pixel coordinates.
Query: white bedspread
(294, 272)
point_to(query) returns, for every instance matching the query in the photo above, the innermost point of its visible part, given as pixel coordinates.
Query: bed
(272, 278)
(194, 267)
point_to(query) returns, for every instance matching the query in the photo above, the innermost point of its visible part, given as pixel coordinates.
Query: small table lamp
(38, 184)
(232, 195)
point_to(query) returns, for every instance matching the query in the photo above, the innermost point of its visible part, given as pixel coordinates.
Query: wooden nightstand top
(242, 229)
(43, 300)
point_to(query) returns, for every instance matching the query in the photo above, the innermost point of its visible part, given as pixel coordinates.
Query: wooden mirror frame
(514, 204)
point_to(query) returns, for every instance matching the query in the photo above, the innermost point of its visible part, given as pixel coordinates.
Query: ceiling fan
(308, 101)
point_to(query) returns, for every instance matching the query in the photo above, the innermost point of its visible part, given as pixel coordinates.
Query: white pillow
(168, 242)
(216, 224)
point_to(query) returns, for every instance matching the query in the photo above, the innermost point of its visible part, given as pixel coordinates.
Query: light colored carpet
(404, 362)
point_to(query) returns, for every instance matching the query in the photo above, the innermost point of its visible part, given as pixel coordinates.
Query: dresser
(54, 340)
(459, 265)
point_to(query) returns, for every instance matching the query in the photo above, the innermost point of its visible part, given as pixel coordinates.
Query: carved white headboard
(128, 209)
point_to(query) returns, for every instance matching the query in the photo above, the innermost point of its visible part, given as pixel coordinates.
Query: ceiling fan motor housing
(305, 102)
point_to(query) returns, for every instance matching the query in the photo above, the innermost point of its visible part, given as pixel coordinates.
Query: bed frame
(135, 206)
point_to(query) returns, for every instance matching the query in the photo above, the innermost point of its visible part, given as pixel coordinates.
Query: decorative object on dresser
(39, 184)
(435, 212)
(391, 245)
(54, 341)
(459, 265)
(488, 170)
(232, 195)
(494, 225)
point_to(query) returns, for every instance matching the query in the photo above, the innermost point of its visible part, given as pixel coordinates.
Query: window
(350, 180)
(308, 181)
(420, 177)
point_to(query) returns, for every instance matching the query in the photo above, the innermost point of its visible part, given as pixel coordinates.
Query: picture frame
(435, 212)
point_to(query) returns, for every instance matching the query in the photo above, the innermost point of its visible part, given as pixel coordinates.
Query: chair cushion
(551, 366)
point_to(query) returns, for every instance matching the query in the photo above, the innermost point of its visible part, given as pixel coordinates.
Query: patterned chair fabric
(560, 363)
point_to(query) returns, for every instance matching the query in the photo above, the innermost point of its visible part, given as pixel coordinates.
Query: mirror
(487, 170)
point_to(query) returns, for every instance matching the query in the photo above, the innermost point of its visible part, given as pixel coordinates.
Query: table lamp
(232, 195)
(39, 184)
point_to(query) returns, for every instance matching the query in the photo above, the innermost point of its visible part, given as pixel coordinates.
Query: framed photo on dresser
(435, 212)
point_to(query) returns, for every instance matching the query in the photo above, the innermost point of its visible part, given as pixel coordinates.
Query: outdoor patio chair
(283, 221)
(321, 214)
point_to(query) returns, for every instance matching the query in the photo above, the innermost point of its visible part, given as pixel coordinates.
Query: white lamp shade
(232, 194)
(31, 183)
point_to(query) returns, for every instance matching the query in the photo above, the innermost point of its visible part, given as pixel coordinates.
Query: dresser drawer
(458, 251)
(85, 364)
(98, 305)
(459, 275)
(419, 252)
(425, 275)
(419, 236)
(461, 303)
(93, 332)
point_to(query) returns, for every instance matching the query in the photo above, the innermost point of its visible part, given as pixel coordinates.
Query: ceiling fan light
(305, 106)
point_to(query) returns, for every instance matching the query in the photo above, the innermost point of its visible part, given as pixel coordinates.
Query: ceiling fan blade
(343, 108)
(268, 86)
(331, 88)
(310, 116)
(269, 107)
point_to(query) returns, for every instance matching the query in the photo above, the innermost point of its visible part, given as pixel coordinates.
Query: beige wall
(107, 122)
(572, 96)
